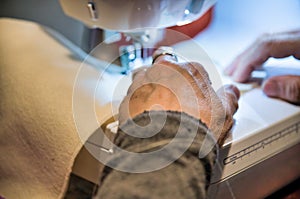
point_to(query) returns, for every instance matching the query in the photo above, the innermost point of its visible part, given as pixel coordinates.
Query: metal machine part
(142, 23)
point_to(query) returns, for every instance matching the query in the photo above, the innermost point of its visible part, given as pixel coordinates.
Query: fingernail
(271, 88)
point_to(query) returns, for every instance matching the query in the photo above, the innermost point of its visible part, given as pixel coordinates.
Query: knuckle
(200, 68)
(165, 62)
(265, 41)
(198, 71)
(138, 74)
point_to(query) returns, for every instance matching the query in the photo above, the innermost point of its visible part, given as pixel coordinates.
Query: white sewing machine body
(263, 153)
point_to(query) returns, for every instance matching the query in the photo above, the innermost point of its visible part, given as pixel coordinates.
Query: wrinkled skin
(270, 45)
(183, 87)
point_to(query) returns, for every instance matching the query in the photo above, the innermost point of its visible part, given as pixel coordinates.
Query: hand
(183, 87)
(270, 45)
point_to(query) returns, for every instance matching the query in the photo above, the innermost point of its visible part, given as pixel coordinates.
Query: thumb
(284, 87)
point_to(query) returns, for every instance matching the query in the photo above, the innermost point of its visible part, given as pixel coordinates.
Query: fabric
(187, 177)
(38, 137)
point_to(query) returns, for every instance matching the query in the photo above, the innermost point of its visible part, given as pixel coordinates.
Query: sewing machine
(262, 154)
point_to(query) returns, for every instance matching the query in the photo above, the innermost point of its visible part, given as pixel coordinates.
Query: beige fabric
(38, 138)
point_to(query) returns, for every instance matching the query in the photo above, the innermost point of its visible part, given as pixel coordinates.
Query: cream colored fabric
(38, 138)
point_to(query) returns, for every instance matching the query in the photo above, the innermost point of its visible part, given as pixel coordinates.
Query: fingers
(139, 72)
(269, 45)
(192, 71)
(284, 87)
(197, 71)
(229, 96)
(162, 58)
(285, 44)
(137, 80)
(253, 57)
(164, 53)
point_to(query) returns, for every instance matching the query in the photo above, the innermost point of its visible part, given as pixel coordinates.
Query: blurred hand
(183, 87)
(270, 45)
